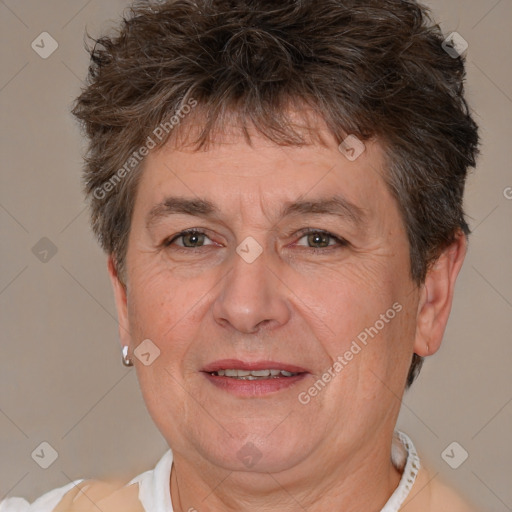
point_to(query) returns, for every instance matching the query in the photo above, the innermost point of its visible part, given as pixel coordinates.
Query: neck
(362, 482)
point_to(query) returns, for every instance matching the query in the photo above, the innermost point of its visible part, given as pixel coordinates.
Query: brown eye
(321, 239)
(192, 239)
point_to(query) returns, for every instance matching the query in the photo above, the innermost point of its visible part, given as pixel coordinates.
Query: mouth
(254, 374)
(244, 378)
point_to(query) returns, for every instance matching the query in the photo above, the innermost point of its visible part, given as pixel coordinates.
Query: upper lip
(237, 364)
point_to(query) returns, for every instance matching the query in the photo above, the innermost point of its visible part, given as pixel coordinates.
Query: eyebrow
(336, 205)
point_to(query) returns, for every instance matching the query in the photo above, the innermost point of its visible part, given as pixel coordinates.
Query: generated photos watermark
(157, 135)
(355, 348)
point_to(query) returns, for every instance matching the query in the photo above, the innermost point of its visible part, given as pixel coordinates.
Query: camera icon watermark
(455, 45)
(44, 250)
(454, 455)
(507, 192)
(45, 455)
(147, 352)
(352, 148)
(249, 455)
(249, 250)
(44, 45)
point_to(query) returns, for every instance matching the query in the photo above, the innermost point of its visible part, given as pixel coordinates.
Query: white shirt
(154, 492)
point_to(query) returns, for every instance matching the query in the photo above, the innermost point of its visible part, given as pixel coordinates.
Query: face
(298, 261)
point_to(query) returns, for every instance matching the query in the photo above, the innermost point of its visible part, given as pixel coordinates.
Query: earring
(126, 360)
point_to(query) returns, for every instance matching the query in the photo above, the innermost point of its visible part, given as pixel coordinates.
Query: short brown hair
(372, 68)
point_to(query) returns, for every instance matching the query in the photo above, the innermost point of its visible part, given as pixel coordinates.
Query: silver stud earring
(126, 360)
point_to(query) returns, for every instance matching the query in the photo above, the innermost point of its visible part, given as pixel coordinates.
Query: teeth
(259, 373)
(254, 374)
(236, 373)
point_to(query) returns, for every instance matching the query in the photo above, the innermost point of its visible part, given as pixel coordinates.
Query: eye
(316, 239)
(321, 238)
(191, 239)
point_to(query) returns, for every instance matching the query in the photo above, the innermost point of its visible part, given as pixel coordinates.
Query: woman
(279, 192)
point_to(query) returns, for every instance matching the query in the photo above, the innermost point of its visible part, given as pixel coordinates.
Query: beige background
(61, 379)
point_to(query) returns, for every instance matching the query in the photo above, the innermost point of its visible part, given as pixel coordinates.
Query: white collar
(155, 496)
(404, 457)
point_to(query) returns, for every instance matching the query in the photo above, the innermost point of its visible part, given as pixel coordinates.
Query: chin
(266, 452)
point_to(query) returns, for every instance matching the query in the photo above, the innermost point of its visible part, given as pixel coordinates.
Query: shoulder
(147, 491)
(430, 493)
(111, 496)
(446, 499)
(45, 503)
(84, 496)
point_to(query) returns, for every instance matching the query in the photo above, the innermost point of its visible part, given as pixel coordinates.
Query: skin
(290, 305)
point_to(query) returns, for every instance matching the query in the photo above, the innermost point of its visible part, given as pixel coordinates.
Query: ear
(121, 302)
(436, 297)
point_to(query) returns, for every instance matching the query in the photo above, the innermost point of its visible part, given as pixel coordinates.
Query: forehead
(230, 146)
(228, 154)
(261, 182)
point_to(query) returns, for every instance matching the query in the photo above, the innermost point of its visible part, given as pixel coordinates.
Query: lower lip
(260, 387)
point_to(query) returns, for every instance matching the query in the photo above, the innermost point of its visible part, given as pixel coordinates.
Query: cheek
(366, 317)
(161, 294)
(354, 296)
(165, 312)
(388, 355)
(156, 308)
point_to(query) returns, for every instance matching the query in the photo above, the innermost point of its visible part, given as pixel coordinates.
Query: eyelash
(303, 232)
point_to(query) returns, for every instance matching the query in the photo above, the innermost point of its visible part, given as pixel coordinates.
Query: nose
(252, 297)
